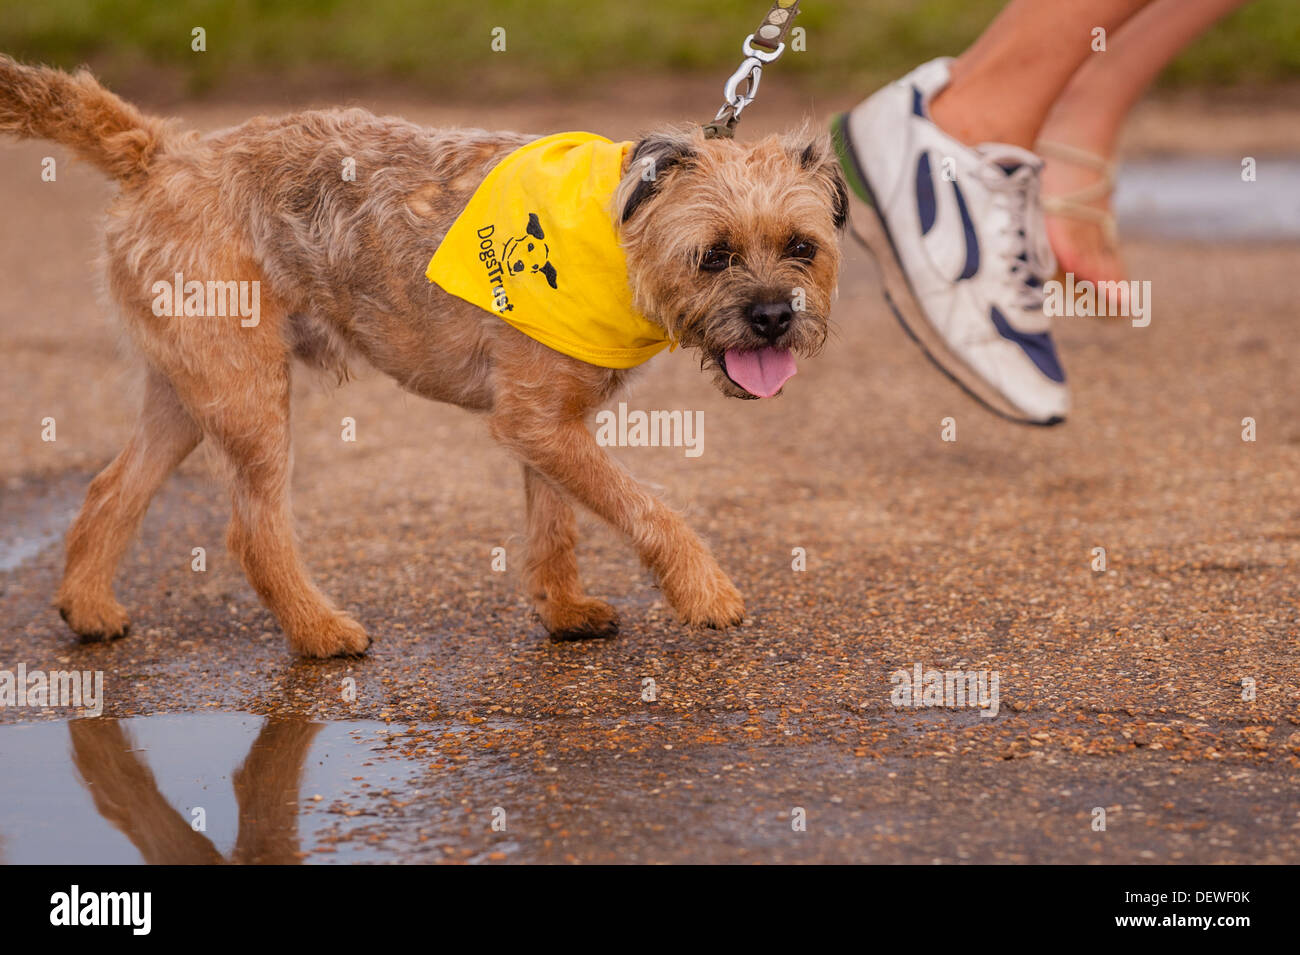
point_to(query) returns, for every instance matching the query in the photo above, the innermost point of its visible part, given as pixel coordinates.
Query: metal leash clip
(750, 72)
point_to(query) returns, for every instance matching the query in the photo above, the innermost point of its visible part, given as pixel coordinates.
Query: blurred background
(143, 46)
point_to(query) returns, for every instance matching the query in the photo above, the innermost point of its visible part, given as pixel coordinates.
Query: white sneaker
(959, 233)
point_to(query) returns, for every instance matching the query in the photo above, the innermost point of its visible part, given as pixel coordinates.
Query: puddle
(19, 550)
(29, 523)
(1205, 199)
(108, 791)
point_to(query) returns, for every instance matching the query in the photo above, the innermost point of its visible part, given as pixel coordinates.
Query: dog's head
(529, 253)
(734, 248)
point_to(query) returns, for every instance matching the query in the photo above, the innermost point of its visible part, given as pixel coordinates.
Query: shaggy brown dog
(715, 243)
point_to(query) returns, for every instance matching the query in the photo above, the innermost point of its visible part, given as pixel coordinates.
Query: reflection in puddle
(274, 791)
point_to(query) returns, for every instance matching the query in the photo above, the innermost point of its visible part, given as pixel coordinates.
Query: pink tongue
(762, 372)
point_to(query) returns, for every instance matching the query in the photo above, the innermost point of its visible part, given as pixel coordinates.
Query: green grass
(559, 44)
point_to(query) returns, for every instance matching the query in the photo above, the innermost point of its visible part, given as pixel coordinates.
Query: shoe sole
(872, 233)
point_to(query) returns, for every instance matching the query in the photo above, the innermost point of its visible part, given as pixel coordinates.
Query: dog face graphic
(529, 254)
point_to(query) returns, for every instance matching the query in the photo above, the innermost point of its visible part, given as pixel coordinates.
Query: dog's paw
(583, 619)
(337, 635)
(95, 621)
(712, 601)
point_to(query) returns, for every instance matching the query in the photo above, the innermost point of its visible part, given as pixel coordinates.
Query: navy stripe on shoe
(972, 242)
(918, 103)
(1037, 345)
(926, 207)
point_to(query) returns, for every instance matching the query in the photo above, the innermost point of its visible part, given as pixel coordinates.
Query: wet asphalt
(467, 736)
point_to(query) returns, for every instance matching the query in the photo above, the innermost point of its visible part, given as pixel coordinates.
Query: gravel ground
(1119, 689)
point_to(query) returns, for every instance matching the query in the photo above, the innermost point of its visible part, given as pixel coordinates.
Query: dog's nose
(771, 319)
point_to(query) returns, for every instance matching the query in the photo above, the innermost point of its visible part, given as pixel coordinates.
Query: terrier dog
(718, 243)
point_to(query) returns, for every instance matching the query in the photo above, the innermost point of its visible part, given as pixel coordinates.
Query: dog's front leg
(551, 567)
(555, 442)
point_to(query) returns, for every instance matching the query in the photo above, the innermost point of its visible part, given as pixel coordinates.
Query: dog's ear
(549, 271)
(651, 159)
(819, 158)
(535, 227)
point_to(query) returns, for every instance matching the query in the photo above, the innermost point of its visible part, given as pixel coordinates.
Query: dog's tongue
(761, 372)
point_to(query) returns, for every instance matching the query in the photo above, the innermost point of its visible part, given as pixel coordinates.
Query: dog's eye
(801, 249)
(716, 259)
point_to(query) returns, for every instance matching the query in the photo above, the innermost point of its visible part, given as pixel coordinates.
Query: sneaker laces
(1015, 184)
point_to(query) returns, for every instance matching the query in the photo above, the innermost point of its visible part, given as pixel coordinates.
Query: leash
(761, 48)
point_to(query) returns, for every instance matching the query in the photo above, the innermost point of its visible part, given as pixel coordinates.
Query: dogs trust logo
(529, 253)
(526, 255)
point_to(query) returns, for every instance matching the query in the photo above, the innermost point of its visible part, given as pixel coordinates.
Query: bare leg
(1090, 114)
(1003, 88)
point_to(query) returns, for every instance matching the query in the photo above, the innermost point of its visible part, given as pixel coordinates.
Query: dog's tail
(37, 102)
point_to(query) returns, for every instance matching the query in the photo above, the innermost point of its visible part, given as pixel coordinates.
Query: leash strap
(765, 45)
(771, 33)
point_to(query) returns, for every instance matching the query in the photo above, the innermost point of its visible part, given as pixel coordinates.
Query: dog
(718, 241)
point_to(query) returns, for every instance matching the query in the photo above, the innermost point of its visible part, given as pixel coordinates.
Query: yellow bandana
(537, 246)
